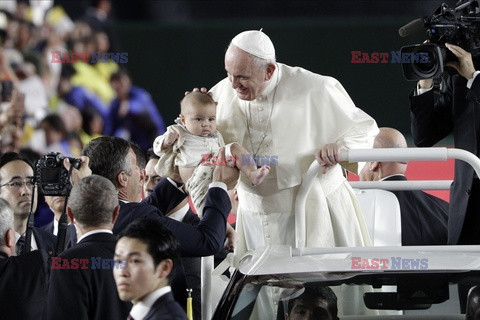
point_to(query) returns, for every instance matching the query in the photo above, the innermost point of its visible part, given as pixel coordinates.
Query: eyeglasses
(17, 184)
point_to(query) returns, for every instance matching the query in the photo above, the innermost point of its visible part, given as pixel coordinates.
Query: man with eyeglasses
(16, 187)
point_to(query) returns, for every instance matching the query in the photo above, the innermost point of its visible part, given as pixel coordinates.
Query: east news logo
(394, 263)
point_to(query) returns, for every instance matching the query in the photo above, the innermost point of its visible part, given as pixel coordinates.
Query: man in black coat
(453, 107)
(81, 282)
(114, 159)
(147, 253)
(424, 216)
(16, 186)
(57, 204)
(23, 279)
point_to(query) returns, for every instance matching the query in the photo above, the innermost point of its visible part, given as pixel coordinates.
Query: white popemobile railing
(358, 155)
(384, 155)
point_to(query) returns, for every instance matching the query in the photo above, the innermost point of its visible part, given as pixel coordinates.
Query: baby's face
(200, 119)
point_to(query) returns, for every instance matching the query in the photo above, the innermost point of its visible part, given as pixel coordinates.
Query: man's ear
(374, 166)
(70, 215)
(122, 179)
(10, 239)
(115, 213)
(269, 71)
(164, 268)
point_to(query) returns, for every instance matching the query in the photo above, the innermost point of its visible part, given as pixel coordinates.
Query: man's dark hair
(108, 157)
(13, 156)
(141, 160)
(318, 292)
(161, 243)
(151, 154)
(93, 200)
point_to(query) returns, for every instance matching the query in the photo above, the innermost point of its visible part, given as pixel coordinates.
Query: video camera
(459, 26)
(51, 176)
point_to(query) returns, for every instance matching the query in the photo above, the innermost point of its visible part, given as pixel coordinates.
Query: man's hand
(202, 89)
(82, 172)
(232, 238)
(224, 173)
(328, 156)
(464, 65)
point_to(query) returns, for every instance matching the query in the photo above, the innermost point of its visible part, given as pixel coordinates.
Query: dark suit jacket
(45, 241)
(88, 293)
(23, 285)
(71, 238)
(424, 217)
(436, 114)
(205, 239)
(166, 308)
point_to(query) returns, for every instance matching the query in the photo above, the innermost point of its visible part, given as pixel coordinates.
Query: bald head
(390, 138)
(374, 170)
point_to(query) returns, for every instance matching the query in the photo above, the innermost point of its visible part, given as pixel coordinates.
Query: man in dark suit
(113, 158)
(81, 282)
(23, 279)
(453, 107)
(57, 204)
(424, 216)
(147, 254)
(16, 186)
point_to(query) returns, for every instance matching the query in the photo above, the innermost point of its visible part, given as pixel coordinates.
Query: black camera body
(51, 176)
(459, 26)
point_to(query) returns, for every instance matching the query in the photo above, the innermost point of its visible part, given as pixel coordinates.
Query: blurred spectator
(90, 106)
(97, 17)
(133, 113)
(56, 136)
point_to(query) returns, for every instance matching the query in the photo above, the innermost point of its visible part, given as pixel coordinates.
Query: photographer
(453, 107)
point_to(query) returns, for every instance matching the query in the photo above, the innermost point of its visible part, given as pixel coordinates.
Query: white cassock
(298, 113)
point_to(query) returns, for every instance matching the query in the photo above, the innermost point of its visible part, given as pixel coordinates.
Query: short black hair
(161, 243)
(140, 155)
(108, 157)
(13, 156)
(318, 292)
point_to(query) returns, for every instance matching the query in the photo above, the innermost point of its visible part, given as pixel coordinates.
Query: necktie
(130, 317)
(20, 245)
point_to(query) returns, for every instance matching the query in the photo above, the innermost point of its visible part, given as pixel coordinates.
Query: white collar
(140, 310)
(392, 175)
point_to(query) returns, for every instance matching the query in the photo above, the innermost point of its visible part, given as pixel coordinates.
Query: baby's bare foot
(258, 175)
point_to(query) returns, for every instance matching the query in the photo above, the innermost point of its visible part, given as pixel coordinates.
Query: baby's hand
(170, 137)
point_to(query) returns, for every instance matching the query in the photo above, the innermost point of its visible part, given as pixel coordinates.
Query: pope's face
(248, 80)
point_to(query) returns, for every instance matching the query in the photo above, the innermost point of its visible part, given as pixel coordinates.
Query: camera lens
(433, 63)
(50, 162)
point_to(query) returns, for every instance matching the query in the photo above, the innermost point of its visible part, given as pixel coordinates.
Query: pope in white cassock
(290, 116)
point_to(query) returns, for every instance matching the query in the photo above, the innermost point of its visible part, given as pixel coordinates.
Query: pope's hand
(328, 156)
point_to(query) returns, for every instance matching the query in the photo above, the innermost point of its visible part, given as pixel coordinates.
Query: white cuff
(470, 81)
(422, 90)
(218, 184)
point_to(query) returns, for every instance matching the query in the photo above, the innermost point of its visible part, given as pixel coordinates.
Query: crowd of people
(132, 243)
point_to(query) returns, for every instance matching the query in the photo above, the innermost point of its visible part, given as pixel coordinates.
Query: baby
(196, 146)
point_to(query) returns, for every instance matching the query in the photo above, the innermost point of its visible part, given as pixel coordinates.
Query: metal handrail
(382, 155)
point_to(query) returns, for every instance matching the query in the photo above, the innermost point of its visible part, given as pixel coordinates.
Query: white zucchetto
(256, 43)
